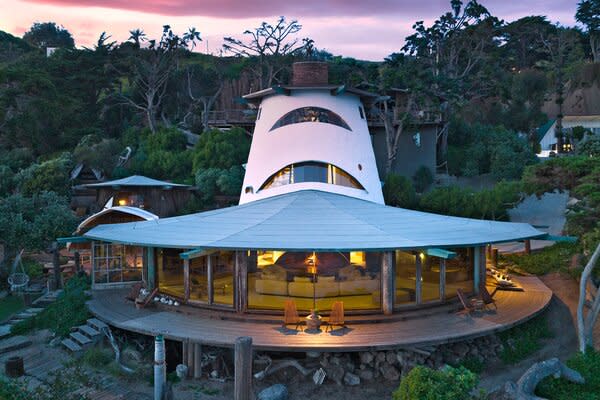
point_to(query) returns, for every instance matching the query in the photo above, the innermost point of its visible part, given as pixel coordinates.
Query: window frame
(332, 118)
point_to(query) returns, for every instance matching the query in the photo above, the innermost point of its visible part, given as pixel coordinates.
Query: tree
(221, 149)
(398, 191)
(588, 14)
(138, 36)
(270, 44)
(192, 36)
(204, 85)
(49, 34)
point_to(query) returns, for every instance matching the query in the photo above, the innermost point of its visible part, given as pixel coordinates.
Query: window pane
(430, 275)
(405, 278)
(311, 172)
(459, 272)
(199, 279)
(170, 272)
(311, 114)
(223, 278)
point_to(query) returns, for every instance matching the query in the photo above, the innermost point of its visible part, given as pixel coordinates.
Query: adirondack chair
(290, 314)
(486, 297)
(134, 292)
(467, 306)
(336, 318)
(143, 303)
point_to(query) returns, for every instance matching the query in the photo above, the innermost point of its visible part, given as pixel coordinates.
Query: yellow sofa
(361, 285)
(324, 287)
(271, 286)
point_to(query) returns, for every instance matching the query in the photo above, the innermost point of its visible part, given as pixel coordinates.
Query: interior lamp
(122, 202)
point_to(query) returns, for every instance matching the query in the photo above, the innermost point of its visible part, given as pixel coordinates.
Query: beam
(564, 239)
(387, 282)
(241, 281)
(186, 279)
(441, 253)
(195, 253)
(476, 268)
(72, 239)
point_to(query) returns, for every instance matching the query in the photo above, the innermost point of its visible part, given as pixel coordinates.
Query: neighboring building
(164, 199)
(547, 132)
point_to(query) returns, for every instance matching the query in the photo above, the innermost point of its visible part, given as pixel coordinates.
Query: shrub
(523, 340)
(221, 149)
(446, 384)
(52, 176)
(399, 191)
(97, 357)
(588, 365)
(422, 179)
(67, 311)
(553, 258)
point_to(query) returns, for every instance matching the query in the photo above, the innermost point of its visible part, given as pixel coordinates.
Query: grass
(523, 340)
(97, 357)
(67, 311)
(473, 364)
(587, 365)
(550, 259)
(10, 305)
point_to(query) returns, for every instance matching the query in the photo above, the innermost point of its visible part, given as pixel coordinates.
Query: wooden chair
(290, 314)
(134, 292)
(142, 303)
(486, 297)
(336, 318)
(467, 306)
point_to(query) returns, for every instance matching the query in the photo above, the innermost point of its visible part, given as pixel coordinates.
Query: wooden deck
(435, 328)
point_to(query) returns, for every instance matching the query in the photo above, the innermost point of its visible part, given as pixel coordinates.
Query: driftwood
(277, 366)
(585, 323)
(524, 389)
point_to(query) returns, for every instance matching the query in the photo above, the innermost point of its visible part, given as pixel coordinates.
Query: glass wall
(199, 279)
(311, 171)
(406, 278)
(170, 272)
(311, 114)
(223, 273)
(430, 278)
(315, 280)
(460, 272)
(117, 263)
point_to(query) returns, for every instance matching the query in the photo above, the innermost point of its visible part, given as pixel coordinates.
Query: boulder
(389, 372)
(275, 392)
(351, 379)
(366, 357)
(336, 373)
(366, 374)
(390, 357)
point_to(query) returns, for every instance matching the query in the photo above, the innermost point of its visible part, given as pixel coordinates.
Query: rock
(366, 374)
(461, 349)
(214, 374)
(275, 392)
(350, 367)
(380, 357)
(130, 354)
(351, 380)
(390, 357)
(366, 357)
(389, 372)
(336, 373)
(313, 354)
(55, 342)
(181, 371)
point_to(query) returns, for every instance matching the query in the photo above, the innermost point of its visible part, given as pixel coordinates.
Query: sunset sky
(357, 28)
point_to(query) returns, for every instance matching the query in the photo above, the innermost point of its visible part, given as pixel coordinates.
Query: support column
(190, 359)
(186, 279)
(442, 279)
(418, 293)
(151, 268)
(528, 247)
(495, 257)
(243, 369)
(241, 280)
(93, 262)
(197, 360)
(210, 262)
(387, 282)
(476, 269)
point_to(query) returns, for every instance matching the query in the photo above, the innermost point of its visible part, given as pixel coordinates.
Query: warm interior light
(422, 255)
(122, 202)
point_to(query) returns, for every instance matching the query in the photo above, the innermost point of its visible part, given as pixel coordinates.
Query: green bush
(221, 149)
(523, 340)
(398, 191)
(588, 365)
(52, 176)
(67, 311)
(422, 179)
(449, 383)
(97, 357)
(553, 258)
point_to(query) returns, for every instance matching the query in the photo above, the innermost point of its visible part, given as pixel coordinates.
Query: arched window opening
(311, 171)
(311, 114)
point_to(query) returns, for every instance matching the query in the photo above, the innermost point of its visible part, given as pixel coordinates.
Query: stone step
(90, 332)
(4, 330)
(96, 324)
(14, 321)
(34, 310)
(24, 315)
(81, 339)
(71, 345)
(14, 343)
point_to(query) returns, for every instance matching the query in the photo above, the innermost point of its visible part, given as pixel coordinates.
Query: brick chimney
(310, 73)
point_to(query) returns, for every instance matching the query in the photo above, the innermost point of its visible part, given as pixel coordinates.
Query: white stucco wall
(311, 141)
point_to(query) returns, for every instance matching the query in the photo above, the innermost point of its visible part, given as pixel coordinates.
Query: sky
(368, 30)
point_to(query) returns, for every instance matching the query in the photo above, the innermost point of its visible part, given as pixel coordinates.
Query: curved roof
(135, 211)
(135, 180)
(313, 220)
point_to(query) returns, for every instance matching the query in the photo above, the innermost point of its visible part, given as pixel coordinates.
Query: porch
(436, 325)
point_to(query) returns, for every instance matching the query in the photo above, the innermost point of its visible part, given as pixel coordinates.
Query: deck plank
(443, 327)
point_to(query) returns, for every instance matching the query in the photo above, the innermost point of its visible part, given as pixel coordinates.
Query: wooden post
(241, 278)
(243, 369)
(151, 268)
(190, 358)
(209, 275)
(186, 279)
(77, 259)
(418, 293)
(528, 247)
(442, 279)
(56, 266)
(476, 269)
(184, 352)
(387, 282)
(197, 360)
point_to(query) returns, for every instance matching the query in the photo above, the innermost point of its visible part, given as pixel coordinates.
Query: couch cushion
(302, 279)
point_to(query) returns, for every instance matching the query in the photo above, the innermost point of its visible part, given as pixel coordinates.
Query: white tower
(311, 135)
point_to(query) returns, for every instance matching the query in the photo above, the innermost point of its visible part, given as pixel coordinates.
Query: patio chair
(290, 314)
(139, 303)
(336, 318)
(467, 306)
(134, 292)
(486, 297)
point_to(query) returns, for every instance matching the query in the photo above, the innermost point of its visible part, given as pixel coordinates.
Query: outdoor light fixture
(122, 202)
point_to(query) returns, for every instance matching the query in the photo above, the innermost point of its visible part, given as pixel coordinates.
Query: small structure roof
(136, 180)
(135, 211)
(309, 220)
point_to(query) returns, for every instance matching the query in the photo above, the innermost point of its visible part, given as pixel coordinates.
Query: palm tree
(192, 35)
(137, 35)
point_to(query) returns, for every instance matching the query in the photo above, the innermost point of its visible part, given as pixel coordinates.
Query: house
(547, 133)
(311, 228)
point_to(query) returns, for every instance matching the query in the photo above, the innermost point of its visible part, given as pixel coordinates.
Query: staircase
(84, 336)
